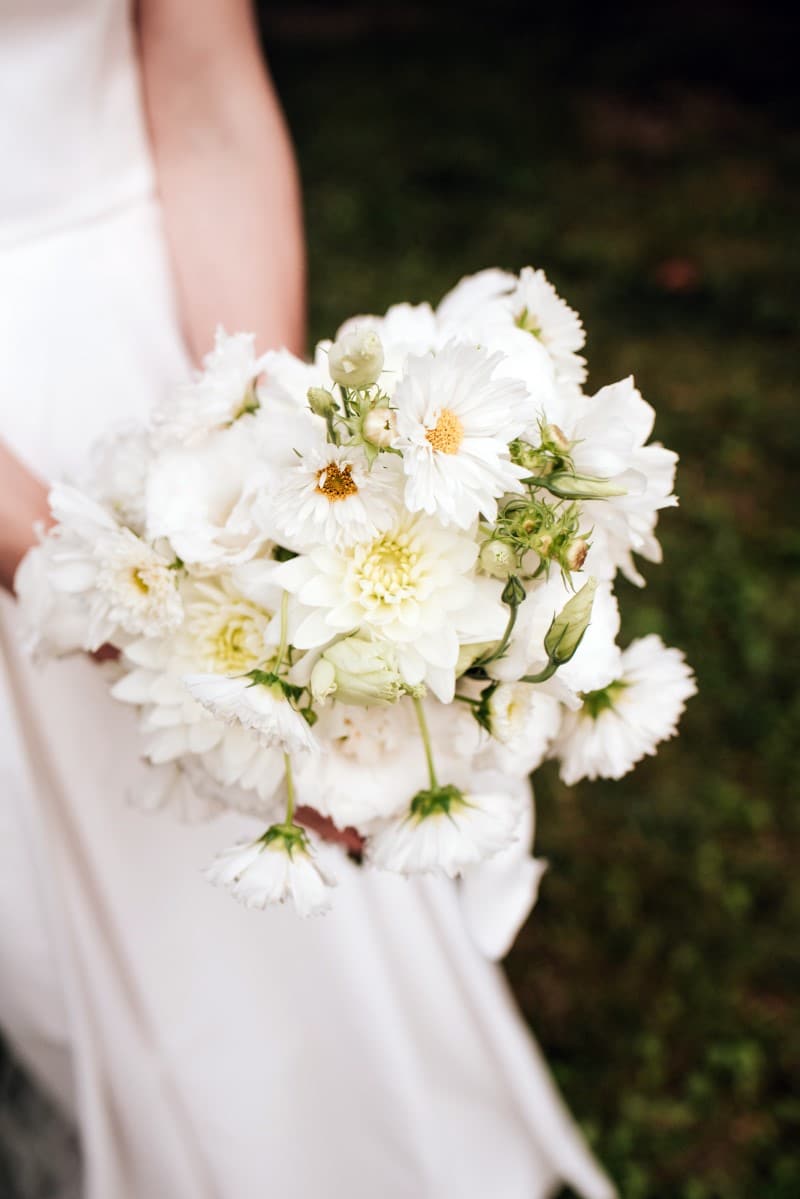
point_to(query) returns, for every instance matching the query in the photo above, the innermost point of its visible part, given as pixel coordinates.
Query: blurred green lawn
(649, 170)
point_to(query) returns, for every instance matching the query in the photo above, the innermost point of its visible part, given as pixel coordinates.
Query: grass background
(647, 157)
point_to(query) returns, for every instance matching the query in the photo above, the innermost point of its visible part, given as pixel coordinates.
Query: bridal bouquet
(379, 585)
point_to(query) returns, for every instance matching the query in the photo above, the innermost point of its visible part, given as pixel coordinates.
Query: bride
(204, 1050)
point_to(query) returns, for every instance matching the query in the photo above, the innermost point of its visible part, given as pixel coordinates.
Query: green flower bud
(378, 427)
(355, 360)
(359, 672)
(514, 592)
(321, 402)
(498, 558)
(570, 486)
(567, 629)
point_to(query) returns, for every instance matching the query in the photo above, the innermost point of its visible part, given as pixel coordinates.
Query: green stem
(467, 699)
(502, 645)
(543, 675)
(281, 654)
(287, 762)
(426, 741)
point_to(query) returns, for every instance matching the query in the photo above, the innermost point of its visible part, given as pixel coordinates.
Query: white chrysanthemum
(411, 586)
(537, 308)
(277, 867)
(622, 723)
(454, 423)
(128, 585)
(262, 709)
(202, 497)
(445, 831)
(223, 391)
(331, 495)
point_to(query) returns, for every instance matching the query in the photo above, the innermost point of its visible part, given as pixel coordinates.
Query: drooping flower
(411, 586)
(260, 707)
(445, 830)
(279, 866)
(454, 423)
(221, 393)
(621, 723)
(331, 495)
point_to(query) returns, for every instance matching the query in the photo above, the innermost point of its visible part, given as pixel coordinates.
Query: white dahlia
(445, 830)
(411, 586)
(260, 707)
(621, 723)
(276, 867)
(454, 422)
(331, 495)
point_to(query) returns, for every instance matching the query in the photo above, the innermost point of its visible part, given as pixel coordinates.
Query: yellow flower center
(387, 568)
(447, 434)
(336, 483)
(227, 637)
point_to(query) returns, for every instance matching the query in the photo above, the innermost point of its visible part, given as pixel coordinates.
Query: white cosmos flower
(128, 585)
(536, 308)
(332, 496)
(524, 720)
(623, 722)
(262, 709)
(454, 423)
(445, 831)
(411, 586)
(277, 867)
(223, 391)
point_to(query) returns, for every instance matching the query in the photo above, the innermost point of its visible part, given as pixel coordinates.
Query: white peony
(412, 586)
(277, 867)
(454, 423)
(624, 721)
(446, 830)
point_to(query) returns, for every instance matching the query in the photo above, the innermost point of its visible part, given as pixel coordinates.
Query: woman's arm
(23, 502)
(226, 171)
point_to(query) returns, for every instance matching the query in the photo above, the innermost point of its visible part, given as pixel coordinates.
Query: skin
(230, 196)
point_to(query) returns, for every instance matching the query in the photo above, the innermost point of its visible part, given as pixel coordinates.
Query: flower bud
(557, 438)
(360, 672)
(356, 358)
(570, 486)
(575, 554)
(567, 629)
(379, 427)
(321, 402)
(498, 558)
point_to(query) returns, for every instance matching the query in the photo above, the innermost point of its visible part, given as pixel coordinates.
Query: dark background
(647, 157)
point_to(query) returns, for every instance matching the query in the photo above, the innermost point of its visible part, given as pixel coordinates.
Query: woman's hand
(23, 504)
(349, 838)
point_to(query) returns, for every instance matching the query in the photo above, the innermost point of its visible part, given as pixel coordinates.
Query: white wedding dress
(204, 1050)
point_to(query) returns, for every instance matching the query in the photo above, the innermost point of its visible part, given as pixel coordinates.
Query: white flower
(261, 708)
(524, 721)
(128, 585)
(454, 423)
(537, 308)
(412, 586)
(202, 497)
(118, 475)
(277, 867)
(331, 495)
(223, 391)
(405, 329)
(51, 623)
(446, 830)
(610, 430)
(358, 672)
(595, 663)
(621, 723)
(356, 357)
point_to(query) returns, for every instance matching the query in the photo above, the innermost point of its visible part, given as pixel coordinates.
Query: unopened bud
(514, 592)
(557, 438)
(570, 486)
(575, 555)
(567, 629)
(360, 672)
(356, 358)
(497, 558)
(379, 427)
(321, 402)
